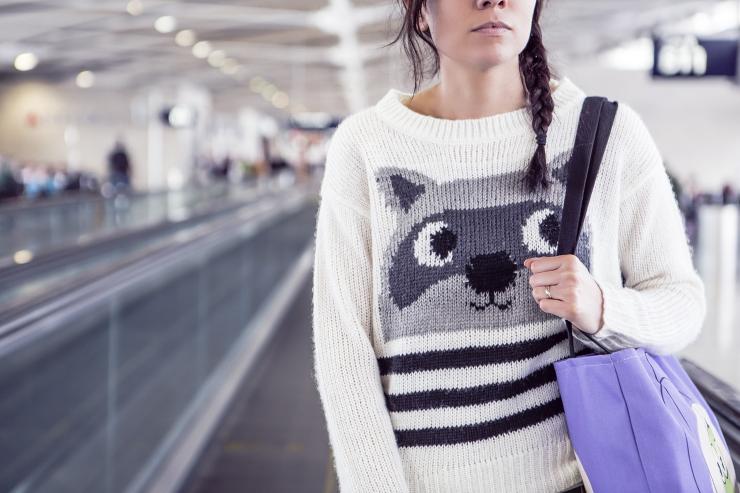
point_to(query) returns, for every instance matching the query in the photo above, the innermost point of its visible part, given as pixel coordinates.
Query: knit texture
(432, 359)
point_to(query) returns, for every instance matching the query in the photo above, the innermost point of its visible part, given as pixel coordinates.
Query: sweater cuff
(616, 314)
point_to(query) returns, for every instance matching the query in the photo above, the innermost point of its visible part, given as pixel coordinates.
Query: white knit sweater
(432, 359)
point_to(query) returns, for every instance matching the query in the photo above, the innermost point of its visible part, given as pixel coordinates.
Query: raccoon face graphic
(455, 259)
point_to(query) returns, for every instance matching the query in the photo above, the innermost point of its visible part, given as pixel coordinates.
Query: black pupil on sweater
(443, 242)
(550, 229)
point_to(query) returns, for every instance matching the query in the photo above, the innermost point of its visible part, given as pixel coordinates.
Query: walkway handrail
(36, 320)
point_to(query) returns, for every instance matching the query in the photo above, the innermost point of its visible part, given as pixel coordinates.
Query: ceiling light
(22, 256)
(256, 83)
(165, 24)
(134, 7)
(85, 79)
(230, 66)
(201, 49)
(267, 91)
(186, 37)
(217, 58)
(280, 99)
(181, 116)
(26, 61)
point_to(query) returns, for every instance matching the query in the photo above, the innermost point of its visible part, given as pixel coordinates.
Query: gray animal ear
(559, 167)
(402, 188)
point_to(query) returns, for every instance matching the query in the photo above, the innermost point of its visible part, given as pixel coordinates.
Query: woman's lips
(492, 31)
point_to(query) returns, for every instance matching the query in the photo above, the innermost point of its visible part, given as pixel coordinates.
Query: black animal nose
(491, 272)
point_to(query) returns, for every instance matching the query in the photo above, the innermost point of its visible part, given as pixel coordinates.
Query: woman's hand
(575, 294)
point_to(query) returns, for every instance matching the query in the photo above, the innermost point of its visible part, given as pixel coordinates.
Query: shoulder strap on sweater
(592, 135)
(594, 126)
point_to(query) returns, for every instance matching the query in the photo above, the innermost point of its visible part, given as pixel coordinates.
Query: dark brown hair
(533, 68)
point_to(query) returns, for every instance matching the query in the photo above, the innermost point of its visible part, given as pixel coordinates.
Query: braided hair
(535, 74)
(534, 70)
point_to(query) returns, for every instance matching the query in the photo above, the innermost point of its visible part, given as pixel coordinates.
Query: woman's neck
(461, 94)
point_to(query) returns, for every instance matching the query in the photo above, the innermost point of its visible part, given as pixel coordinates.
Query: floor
(274, 438)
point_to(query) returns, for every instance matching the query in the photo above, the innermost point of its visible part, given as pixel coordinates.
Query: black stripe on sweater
(479, 431)
(472, 356)
(470, 396)
(480, 394)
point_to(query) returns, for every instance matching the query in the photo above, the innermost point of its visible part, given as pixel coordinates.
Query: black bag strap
(594, 127)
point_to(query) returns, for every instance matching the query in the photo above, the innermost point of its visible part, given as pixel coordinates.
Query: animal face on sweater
(455, 259)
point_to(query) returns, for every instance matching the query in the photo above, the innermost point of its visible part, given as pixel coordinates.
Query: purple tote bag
(636, 420)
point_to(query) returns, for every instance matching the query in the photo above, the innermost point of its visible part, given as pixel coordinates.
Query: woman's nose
(488, 3)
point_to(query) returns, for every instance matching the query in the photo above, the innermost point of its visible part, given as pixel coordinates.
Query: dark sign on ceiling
(687, 55)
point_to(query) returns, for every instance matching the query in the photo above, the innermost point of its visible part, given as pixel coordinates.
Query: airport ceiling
(326, 55)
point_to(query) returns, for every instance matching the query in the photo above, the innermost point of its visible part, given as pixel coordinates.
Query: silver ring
(547, 291)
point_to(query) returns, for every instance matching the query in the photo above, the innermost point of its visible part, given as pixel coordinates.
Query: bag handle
(594, 127)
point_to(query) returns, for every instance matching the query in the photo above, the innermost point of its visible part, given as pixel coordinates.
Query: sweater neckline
(393, 111)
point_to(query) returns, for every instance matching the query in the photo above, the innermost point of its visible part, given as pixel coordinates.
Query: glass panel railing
(39, 227)
(64, 265)
(91, 389)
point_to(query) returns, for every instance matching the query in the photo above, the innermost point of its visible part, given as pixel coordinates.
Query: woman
(438, 300)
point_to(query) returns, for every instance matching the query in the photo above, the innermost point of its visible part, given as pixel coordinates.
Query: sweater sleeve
(346, 369)
(662, 304)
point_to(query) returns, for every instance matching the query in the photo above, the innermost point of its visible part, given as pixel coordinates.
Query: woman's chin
(489, 62)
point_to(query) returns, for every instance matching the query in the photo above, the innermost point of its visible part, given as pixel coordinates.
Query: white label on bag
(715, 453)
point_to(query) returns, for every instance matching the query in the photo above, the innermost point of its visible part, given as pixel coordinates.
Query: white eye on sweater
(540, 231)
(434, 244)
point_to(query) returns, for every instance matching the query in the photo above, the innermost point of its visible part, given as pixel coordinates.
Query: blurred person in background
(60, 177)
(262, 165)
(221, 168)
(691, 201)
(10, 186)
(37, 180)
(119, 167)
(729, 196)
(56, 180)
(675, 184)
